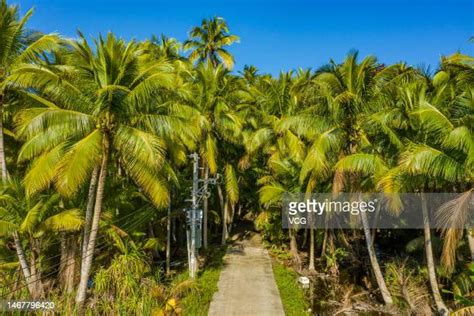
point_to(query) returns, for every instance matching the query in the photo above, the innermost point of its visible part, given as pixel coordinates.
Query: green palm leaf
(75, 167)
(231, 184)
(68, 220)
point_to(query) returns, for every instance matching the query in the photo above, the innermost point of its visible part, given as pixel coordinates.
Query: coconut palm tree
(103, 104)
(163, 47)
(373, 165)
(250, 74)
(207, 42)
(17, 46)
(211, 107)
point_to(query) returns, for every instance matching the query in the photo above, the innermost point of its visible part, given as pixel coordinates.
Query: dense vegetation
(93, 154)
(292, 295)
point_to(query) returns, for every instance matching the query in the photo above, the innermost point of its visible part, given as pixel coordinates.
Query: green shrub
(292, 295)
(197, 302)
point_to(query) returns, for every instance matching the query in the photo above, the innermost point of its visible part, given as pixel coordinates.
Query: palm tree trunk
(205, 205)
(223, 205)
(440, 306)
(153, 253)
(86, 268)
(88, 215)
(375, 222)
(231, 219)
(68, 261)
(62, 259)
(35, 272)
(3, 164)
(168, 239)
(387, 298)
(225, 232)
(294, 248)
(470, 241)
(311, 249)
(213, 60)
(325, 241)
(23, 263)
(311, 243)
(16, 285)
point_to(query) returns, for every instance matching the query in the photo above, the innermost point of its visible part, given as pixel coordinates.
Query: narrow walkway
(246, 284)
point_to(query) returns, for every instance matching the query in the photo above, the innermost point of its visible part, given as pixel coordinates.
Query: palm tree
(250, 74)
(17, 46)
(163, 47)
(211, 107)
(373, 165)
(103, 104)
(208, 41)
(410, 164)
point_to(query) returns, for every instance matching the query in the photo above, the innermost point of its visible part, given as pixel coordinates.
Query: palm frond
(452, 217)
(231, 184)
(68, 220)
(75, 167)
(271, 194)
(42, 171)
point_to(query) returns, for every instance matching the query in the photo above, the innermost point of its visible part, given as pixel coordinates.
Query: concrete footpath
(246, 285)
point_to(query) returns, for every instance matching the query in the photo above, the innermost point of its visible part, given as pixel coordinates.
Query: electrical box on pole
(194, 216)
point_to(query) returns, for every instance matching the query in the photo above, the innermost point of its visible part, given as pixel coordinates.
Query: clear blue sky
(281, 35)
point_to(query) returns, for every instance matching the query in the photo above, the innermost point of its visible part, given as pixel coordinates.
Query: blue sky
(281, 35)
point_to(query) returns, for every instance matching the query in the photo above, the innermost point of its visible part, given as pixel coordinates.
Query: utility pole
(194, 215)
(168, 238)
(192, 228)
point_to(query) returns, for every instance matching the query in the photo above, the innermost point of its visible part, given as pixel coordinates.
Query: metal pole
(168, 238)
(193, 259)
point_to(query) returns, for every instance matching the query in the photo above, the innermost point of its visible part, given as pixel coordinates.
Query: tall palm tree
(17, 46)
(373, 165)
(207, 42)
(211, 107)
(103, 104)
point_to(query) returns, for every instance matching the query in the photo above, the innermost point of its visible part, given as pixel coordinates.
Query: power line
(58, 241)
(135, 224)
(138, 222)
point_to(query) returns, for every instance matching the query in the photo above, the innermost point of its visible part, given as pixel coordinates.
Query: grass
(197, 302)
(292, 295)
